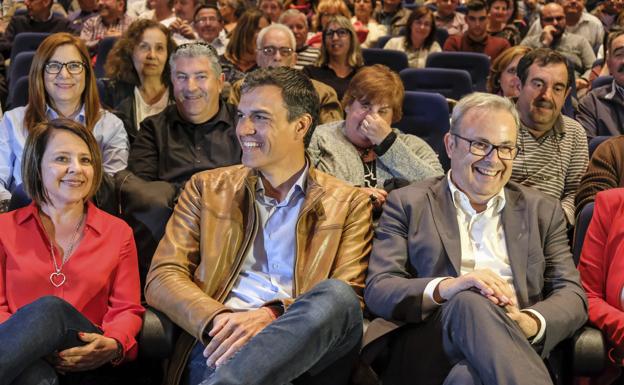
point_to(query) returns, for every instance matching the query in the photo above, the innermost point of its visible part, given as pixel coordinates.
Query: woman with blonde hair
(340, 57)
(61, 84)
(326, 9)
(502, 79)
(139, 78)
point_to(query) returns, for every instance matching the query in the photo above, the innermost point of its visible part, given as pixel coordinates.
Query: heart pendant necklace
(57, 277)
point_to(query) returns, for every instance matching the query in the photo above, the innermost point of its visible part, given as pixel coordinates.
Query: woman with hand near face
(418, 39)
(364, 150)
(69, 281)
(340, 57)
(138, 73)
(61, 84)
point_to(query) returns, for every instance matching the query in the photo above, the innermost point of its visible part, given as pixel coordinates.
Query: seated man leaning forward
(265, 260)
(477, 269)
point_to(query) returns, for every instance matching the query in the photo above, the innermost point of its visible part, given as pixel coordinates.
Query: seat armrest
(158, 335)
(589, 351)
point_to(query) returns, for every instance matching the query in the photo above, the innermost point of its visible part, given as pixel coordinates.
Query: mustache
(543, 103)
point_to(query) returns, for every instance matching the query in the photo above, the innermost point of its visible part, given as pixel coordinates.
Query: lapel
(445, 219)
(514, 219)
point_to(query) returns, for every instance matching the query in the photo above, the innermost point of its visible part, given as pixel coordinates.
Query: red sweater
(102, 273)
(491, 45)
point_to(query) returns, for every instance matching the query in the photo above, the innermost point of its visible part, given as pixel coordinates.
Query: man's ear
(449, 144)
(303, 125)
(221, 81)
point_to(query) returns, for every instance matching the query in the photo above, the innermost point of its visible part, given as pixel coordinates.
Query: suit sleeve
(564, 305)
(393, 292)
(598, 265)
(144, 156)
(587, 115)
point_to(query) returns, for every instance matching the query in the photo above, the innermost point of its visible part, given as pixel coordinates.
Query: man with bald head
(554, 36)
(276, 48)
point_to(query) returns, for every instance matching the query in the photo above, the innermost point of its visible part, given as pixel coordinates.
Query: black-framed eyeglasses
(200, 43)
(479, 148)
(271, 51)
(341, 32)
(73, 67)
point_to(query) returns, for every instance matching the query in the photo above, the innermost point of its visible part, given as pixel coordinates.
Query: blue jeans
(44, 326)
(320, 327)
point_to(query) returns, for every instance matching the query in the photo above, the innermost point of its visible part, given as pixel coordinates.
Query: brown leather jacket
(201, 254)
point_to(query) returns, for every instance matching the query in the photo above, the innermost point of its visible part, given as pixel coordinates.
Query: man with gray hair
(263, 263)
(276, 48)
(472, 267)
(194, 134)
(298, 24)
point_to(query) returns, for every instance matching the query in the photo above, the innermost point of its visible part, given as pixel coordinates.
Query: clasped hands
(97, 351)
(231, 331)
(494, 288)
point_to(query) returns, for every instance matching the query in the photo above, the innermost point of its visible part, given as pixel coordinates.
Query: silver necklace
(57, 277)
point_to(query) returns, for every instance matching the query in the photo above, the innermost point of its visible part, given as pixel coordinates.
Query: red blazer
(102, 273)
(602, 264)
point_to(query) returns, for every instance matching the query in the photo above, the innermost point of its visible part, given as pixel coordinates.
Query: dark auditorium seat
(451, 83)
(18, 93)
(395, 60)
(595, 142)
(26, 41)
(426, 115)
(477, 64)
(601, 81)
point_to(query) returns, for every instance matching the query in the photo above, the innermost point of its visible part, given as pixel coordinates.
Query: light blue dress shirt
(109, 132)
(269, 266)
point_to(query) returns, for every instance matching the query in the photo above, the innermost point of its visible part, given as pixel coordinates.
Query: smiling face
(337, 41)
(110, 9)
(184, 9)
(196, 88)
(363, 9)
(419, 30)
(356, 112)
(150, 54)
(207, 24)
(65, 88)
(481, 177)
(269, 141)
(498, 12)
(542, 95)
(66, 168)
(299, 26)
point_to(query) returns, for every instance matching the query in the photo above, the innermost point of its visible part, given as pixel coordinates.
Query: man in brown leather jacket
(263, 264)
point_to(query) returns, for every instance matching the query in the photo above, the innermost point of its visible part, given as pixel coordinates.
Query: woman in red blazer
(602, 270)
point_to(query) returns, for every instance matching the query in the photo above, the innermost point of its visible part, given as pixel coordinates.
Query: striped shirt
(553, 163)
(307, 56)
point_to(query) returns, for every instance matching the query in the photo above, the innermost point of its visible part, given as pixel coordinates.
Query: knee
(467, 301)
(334, 300)
(50, 304)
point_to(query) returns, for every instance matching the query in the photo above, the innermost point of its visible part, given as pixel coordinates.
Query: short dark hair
(299, 95)
(35, 147)
(208, 6)
(614, 34)
(476, 6)
(543, 57)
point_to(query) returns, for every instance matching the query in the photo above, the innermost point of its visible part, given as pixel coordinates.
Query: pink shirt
(102, 273)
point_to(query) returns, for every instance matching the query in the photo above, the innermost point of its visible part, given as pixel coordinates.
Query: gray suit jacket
(417, 240)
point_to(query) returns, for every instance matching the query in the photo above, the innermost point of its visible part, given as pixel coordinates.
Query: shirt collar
(461, 201)
(615, 89)
(298, 188)
(94, 221)
(52, 114)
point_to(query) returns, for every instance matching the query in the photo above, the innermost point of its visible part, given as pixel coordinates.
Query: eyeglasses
(550, 19)
(341, 32)
(73, 67)
(484, 149)
(271, 51)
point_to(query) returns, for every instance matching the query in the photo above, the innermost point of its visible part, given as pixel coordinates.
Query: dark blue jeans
(44, 326)
(319, 328)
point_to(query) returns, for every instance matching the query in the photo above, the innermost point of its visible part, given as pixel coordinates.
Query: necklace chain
(57, 277)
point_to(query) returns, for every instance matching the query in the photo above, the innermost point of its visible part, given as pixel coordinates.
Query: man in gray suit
(474, 270)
